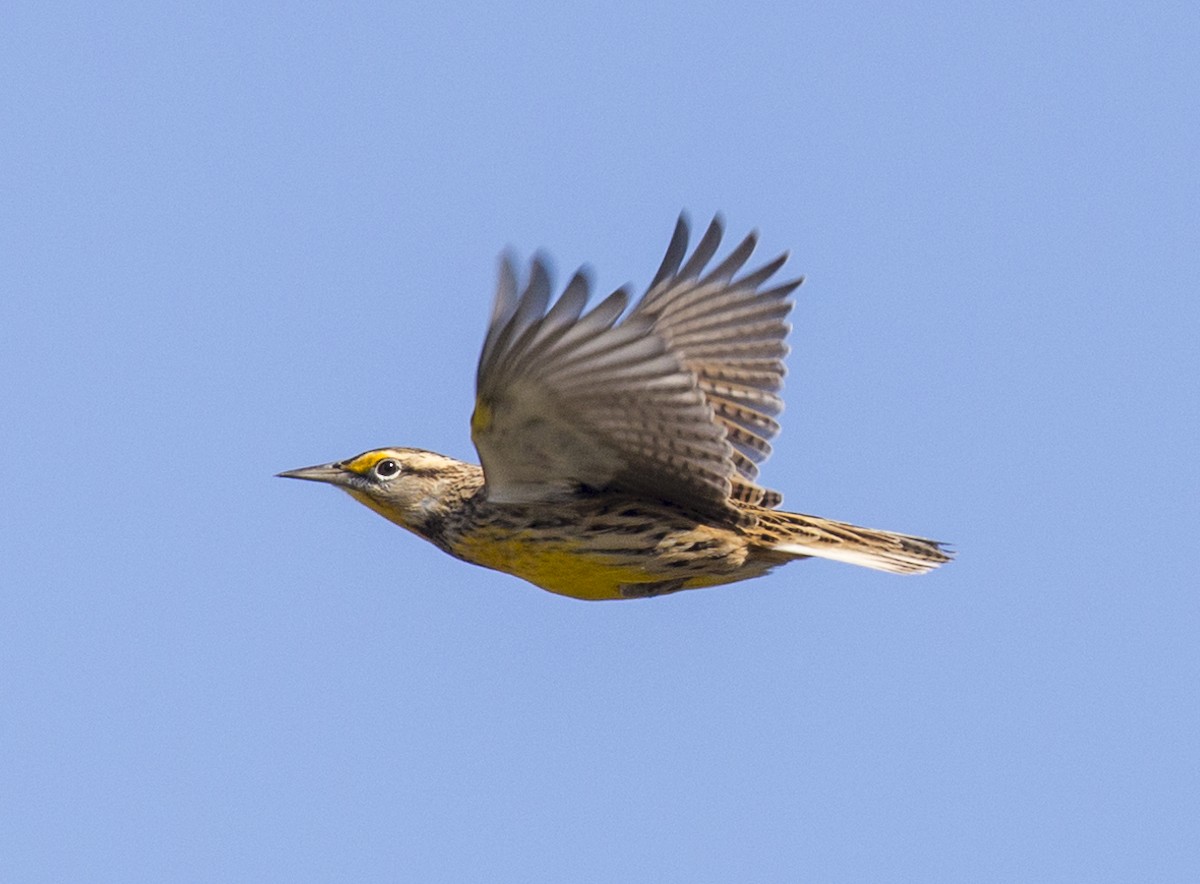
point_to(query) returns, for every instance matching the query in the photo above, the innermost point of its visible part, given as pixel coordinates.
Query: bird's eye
(385, 469)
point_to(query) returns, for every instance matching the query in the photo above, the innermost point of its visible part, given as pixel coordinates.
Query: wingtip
(506, 272)
(583, 275)
(505, 301)
(541, 268)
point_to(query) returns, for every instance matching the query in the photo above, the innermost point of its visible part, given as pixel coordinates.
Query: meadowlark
(620, 449)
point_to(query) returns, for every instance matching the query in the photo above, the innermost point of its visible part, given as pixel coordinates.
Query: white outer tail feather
(867, 547)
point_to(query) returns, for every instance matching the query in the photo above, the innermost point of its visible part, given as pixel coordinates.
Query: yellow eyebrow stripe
(364, 463)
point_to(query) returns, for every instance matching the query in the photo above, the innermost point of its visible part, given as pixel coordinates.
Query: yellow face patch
(364, 463)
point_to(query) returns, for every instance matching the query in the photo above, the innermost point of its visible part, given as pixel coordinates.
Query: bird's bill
(332, 473)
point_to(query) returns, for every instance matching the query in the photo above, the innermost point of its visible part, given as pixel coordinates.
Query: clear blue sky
(239, 238)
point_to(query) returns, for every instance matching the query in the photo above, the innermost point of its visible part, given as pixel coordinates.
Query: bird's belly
(564, 568)
(582, 570)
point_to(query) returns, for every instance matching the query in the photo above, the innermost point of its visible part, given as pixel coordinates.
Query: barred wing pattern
(731, 336)
(675, 401)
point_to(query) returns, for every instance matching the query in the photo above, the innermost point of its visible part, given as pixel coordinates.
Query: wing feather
(735, 260)
(732, 337)
(705, 249)
(677, 399)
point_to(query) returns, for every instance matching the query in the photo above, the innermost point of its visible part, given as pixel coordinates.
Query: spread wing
(731, 335)
(676, 401)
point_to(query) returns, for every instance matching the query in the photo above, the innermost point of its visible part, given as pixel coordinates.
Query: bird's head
(409, 486)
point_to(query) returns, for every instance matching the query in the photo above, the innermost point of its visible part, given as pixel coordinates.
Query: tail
(800, 535)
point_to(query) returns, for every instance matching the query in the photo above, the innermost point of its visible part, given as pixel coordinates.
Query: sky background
(240, 238)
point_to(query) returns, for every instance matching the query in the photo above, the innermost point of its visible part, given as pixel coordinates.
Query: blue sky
(243, 238)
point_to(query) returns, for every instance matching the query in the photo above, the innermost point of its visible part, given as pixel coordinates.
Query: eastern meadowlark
(620, 453)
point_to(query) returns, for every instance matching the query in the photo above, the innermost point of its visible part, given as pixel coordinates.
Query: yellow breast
(558, 566)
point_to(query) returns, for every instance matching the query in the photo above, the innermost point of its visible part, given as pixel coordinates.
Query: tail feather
(801, 535)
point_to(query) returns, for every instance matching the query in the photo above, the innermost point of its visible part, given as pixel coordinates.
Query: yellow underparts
(569, 569)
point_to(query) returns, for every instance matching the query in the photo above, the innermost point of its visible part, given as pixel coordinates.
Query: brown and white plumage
(620, 445)
(677, 400)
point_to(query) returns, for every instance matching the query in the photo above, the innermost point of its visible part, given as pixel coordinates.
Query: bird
(620, 445)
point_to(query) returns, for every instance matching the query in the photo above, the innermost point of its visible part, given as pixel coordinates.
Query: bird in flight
(620, 448)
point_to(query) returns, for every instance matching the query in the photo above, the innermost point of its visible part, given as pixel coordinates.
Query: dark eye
(385, 469)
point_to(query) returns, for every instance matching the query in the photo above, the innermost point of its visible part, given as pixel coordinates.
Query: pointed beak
(331, 473)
